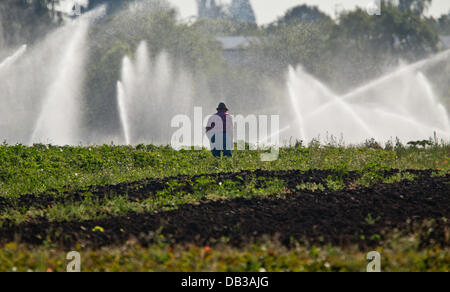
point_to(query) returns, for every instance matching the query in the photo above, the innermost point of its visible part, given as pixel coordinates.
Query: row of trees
(344, 52)
(27, 20)
(355, 48)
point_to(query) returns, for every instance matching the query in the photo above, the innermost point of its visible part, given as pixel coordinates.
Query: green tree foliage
(394, 31)
(285, 45)
(226, 27)
(444, 24)
(304, 14)
(355, 49)
(27, 20)
(300, 37)
(344, 53)
(362, 46)
(111, 5)
(418, 7)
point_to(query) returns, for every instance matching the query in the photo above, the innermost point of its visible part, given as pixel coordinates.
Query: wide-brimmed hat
(222, 106)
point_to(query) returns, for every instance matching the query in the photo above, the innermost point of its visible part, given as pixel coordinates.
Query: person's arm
(210, 128)
(210, 125)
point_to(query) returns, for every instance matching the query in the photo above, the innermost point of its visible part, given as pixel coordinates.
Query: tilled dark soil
(144, 189)
(340, 218)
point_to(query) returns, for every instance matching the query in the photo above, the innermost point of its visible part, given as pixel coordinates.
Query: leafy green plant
(310, 187)
(423, 143)
(335, 183)
(371, 220)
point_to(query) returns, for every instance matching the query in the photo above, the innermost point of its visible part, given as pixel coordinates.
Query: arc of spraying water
(121, 96)
(295, 104)
(336, 99)
(60, 115)
(357, 92)
(13, 58)
(275, 134)
(445, 119)
(413, 122)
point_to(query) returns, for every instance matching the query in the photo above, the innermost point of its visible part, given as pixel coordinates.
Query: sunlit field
(114, 115)
(148, 208)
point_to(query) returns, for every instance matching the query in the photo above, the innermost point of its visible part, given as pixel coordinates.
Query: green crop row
(43, 168)
(398, 254)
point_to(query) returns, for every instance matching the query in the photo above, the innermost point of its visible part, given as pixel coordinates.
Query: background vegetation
(343, 52)
(44, 167)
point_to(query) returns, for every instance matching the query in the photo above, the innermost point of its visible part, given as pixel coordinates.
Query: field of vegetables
(148, 208)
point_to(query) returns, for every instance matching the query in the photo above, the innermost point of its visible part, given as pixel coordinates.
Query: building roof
(445, 40)
(234, 42)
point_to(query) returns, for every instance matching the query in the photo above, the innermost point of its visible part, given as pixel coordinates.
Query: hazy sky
(269, 10)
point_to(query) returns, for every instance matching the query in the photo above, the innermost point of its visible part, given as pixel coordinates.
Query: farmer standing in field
(220, 132)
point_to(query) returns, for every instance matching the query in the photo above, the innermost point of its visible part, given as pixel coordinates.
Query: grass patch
(55, 170)
(44, 168)
(399, 254)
